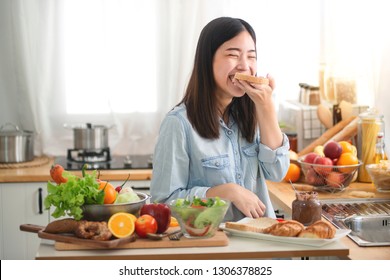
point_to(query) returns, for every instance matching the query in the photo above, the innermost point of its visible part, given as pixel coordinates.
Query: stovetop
(116, 163)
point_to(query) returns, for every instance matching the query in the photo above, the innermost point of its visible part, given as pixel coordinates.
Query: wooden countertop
(42, 174)
(283, 195)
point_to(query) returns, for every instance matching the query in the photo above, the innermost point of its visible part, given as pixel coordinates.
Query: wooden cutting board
(70, 242)
(219, 239)
(71, 239)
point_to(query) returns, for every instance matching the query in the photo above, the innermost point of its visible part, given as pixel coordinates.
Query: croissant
(288, 228)
(319, 229)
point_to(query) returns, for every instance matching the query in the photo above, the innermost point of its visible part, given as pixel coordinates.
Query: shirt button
(229, 132)
(239, 176)
(217, 164)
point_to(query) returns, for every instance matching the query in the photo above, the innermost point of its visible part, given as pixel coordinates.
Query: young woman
(223, 138)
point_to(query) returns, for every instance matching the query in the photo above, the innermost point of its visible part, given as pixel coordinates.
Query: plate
(316, 242)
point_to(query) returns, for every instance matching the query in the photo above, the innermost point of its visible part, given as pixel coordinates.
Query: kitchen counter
(238, 248)
(42, 174)
(281, 194)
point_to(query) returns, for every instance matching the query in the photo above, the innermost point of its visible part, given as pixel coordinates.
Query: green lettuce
(67, 198)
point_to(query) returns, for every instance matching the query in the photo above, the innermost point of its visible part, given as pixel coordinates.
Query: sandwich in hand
(251, 79)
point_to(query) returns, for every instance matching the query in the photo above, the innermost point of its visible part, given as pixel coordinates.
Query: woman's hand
(245, 200)
(261, 94)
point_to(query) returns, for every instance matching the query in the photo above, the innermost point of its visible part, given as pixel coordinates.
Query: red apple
(310, 157)
(335, 179)
(326, 165)
(312, 178)
(332, 150)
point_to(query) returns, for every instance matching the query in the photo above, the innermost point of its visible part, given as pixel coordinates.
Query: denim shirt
(185, 164)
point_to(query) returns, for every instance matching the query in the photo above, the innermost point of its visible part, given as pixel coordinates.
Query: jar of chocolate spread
(306, 208)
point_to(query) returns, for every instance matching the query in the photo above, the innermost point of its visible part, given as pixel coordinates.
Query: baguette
(255, 225)
(251, 79)
(326, 136)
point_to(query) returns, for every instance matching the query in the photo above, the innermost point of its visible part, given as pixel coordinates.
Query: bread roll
(254, 225)
(289, 228)
(67, 225)
(319, 229)
(251, 79)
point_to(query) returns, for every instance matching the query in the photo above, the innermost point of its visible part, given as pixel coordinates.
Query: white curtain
(100, 61)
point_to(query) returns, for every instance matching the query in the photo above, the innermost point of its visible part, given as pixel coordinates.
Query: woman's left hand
(261, 94)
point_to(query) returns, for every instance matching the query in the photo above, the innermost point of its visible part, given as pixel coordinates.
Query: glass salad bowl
(199, 218)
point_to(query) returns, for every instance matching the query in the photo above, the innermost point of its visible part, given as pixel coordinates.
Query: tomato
(56, 174)
(145, 224)
(161, 212)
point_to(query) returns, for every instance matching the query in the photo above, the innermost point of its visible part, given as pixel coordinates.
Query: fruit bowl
(102, 212)
(380, 175)
(199, 218)
(329, 178)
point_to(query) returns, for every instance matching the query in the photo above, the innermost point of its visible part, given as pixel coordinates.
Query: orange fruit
(133, 217)
(121, 225)
(293, 173)
(110, 193)
(174, 222)
(346, 147)
(347, 159)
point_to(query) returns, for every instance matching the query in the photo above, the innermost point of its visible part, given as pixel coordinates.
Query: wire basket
(329, 178)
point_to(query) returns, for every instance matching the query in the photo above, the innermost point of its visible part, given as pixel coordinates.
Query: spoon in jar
(295, 190)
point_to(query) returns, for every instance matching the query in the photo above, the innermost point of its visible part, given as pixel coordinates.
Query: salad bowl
(199, 218)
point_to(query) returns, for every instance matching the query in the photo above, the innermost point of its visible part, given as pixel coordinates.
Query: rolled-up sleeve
(275, 163)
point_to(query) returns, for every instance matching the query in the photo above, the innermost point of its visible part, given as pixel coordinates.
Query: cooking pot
(16, 145)
(90, 137)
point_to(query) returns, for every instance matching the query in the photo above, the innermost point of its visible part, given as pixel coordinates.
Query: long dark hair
(199, 97)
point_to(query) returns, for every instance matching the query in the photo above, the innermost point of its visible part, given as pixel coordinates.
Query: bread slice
(253, 225)
(251, 79)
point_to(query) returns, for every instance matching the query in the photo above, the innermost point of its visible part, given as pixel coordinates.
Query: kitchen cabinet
(20, 205)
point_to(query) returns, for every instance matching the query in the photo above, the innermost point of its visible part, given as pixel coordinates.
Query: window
(109, 57)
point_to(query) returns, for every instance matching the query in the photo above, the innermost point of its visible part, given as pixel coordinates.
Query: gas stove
(112, 162)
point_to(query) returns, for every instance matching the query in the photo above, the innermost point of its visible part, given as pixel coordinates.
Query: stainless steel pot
(16, 145)
(90, 137)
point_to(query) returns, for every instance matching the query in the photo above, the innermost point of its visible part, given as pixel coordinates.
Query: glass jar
(306, 208)
(314, 96)
(370, 123)
(293, 140)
